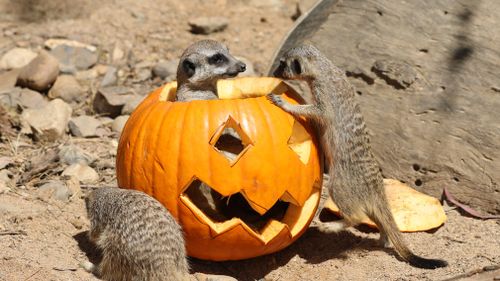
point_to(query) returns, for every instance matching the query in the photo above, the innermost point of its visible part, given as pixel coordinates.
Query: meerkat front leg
(306, 110)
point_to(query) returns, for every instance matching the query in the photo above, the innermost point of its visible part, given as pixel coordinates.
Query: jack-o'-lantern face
(241, 176)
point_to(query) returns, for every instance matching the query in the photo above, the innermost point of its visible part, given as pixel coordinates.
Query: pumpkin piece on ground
(412, 210)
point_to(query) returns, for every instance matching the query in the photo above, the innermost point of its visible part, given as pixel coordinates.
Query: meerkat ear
(188, 67)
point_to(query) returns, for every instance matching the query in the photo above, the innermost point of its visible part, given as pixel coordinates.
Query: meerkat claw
(275, 99)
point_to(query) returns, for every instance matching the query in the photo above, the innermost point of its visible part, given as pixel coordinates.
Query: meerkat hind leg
(384, 240)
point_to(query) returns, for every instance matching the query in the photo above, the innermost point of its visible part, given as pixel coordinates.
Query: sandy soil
(44, 239)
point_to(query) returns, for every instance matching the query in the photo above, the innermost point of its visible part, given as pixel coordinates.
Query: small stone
(5, 161)
(55, 42)
(110, 100)
(82, 172)
(49, 122)
(142, 75)
(73, 58)
(163, 69)
(211, 277)
(130, 106)
(72, 154)
(110, 77)
(67, 88)
(117, 54)
(40, 73)
(77, 222)
(16, 58)
(398, 74)
(119, 123)
(5, 176)
(3, 187)
(207, 25)
(83, 126)
(8, 79)
(249, 71)
(54, 189)
(22, 98)
(106, 121)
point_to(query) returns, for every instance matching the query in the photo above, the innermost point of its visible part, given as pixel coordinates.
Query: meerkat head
(300, 63)
(206, 61)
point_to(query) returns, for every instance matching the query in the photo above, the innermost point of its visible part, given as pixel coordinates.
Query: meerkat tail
(384, 220)
(88, 266)
(332, 226)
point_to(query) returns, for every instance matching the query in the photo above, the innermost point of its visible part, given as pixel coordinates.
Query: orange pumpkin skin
(166, 145)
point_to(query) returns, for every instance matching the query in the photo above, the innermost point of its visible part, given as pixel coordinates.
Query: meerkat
(355, 181)
(139, 238)
(201, 65)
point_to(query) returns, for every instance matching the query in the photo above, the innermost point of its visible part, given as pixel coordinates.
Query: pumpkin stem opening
(223, 208)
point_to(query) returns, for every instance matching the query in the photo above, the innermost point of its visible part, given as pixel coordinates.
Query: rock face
(432, 103)
(49, 122)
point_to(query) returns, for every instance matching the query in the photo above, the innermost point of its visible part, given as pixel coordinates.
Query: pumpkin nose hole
(230, 144)
(230, 140)
(219, 208)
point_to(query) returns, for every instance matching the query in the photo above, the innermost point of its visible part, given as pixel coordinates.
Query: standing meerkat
(200, 66)
(356, 183)
(139, 239)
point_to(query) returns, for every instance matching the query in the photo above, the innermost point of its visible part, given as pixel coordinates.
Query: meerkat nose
(242, 67)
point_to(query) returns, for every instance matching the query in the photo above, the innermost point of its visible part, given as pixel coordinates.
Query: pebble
(68, 89)
(83, 126)
(142, 75)
(40, 73)
(16, 58)
(55, 42)
(8, 79)
(164, 69)
(49, 122)
(72, 59)
(130, 106)
(72, 154)
(5, 175)
(5, 161)
(3, 187)
(119, 123)
(22, 98)
(110, 100)
(82, 172)
(54, 189)
(207, 25)
(110, 77)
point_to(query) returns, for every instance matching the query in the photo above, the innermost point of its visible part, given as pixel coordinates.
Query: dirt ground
(44, 239)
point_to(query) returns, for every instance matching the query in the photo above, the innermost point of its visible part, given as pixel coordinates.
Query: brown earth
(44, 239)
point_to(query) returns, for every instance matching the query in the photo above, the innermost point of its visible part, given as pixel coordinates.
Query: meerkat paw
(331, 227)
(276, 100)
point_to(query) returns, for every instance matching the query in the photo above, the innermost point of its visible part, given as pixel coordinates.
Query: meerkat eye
(217, 59)
(296, 66)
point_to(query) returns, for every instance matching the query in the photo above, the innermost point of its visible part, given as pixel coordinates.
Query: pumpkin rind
(166, 145)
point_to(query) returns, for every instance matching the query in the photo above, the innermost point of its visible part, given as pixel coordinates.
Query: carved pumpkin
(266, 186)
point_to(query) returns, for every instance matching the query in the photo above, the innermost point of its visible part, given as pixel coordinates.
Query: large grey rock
(110, 100)
(84, 126)
(40, 73)
(49, 122)
(67, 88)
(73, 58)
(130, 106)
(442, 129)
(16, 58)
(207, 25)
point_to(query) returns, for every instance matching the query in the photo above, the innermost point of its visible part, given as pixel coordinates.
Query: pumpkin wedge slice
(412, 210)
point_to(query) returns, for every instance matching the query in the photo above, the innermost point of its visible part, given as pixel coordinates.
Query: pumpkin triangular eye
(230, 140)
